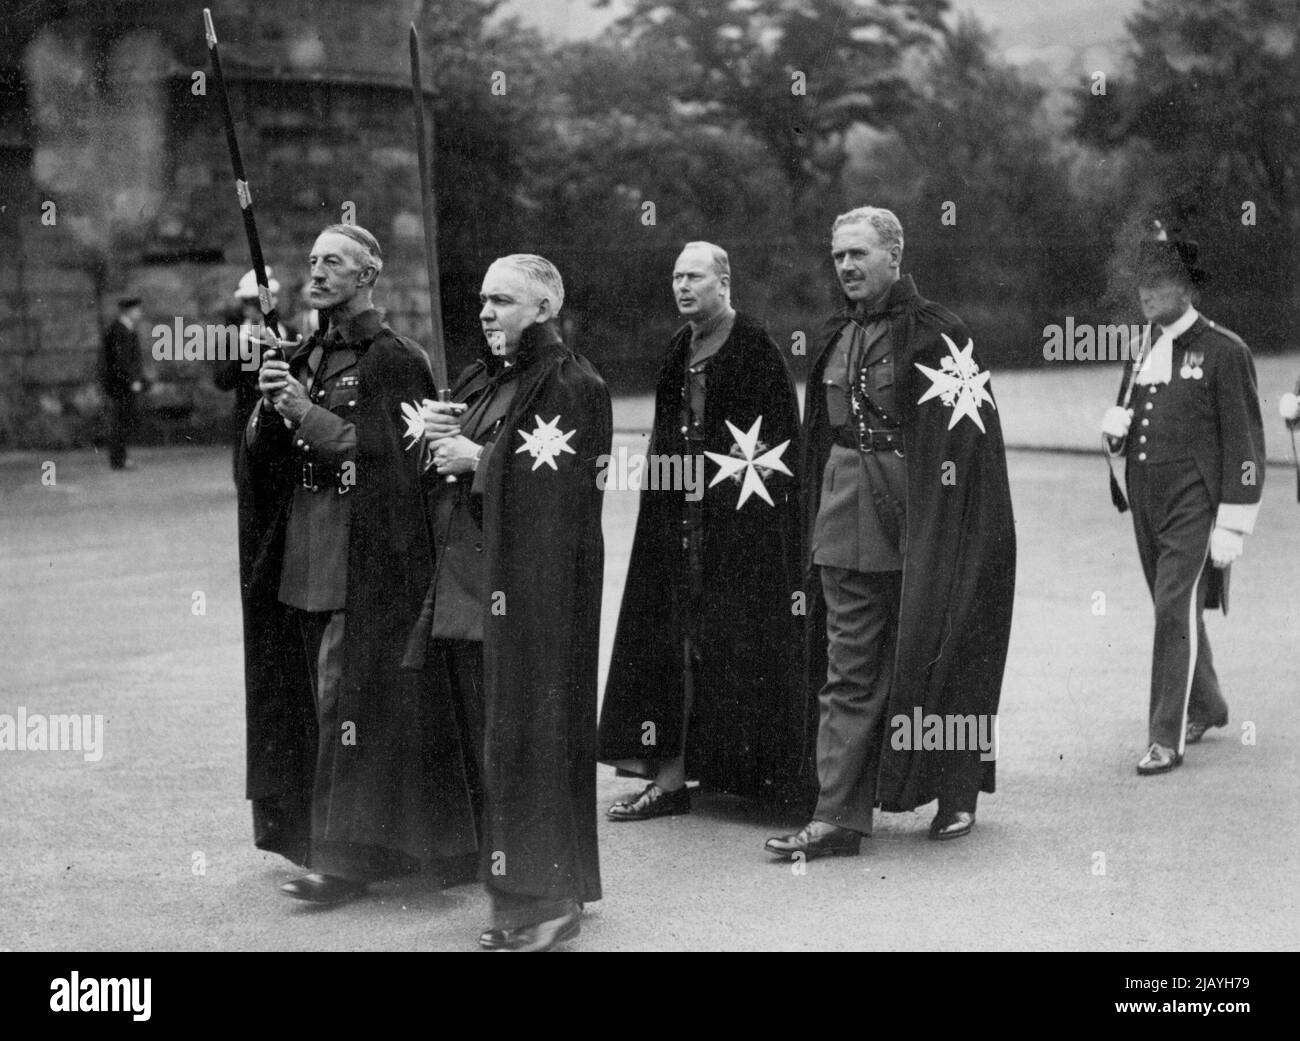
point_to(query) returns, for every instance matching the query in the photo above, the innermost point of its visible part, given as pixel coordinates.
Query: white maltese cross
(958, 383)
(546, 442)
(750, 462)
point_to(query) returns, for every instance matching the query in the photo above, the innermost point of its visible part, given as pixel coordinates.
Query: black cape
(545, 556)
(745, 731)
(959, 560)
(401, 784)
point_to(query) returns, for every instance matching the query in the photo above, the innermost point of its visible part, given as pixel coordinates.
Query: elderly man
(701, 680)
(511, 625)
(353, 769)
(911, 550)
(1195, 474)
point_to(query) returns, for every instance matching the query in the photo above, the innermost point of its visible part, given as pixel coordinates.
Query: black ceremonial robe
(960, 552)
(745, 731)
(545, 557)
(385, 767)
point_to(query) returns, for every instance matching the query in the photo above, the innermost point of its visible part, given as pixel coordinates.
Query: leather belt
(315, 477)
(849, 436)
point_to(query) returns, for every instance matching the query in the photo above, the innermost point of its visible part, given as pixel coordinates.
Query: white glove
(1289, 405)
(1225, 546)
(1116, 421)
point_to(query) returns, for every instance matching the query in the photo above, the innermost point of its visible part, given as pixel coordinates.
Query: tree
(796, 74)
(1211, 109)
(982, 187)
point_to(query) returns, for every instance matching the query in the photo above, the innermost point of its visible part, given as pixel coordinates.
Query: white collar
(1182, 325)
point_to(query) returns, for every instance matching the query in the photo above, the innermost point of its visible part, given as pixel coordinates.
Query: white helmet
(248, 284)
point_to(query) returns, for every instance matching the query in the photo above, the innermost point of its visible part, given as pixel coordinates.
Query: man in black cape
(910, 553)
(353, 769)
(512, 619)
(702, 679)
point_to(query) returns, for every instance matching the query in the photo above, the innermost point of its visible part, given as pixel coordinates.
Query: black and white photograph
(503, 476)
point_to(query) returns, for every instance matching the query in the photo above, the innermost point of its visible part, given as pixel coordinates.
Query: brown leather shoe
(1196, 729)
(951, 824)
(652, 802)
(1158, 760)
(816, 839)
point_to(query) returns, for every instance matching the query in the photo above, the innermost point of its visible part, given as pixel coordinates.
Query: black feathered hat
(1161, 258)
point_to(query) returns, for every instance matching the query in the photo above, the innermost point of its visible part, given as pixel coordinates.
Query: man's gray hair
(721, 262)
(368, 243)
(541, 275)
(888, 228)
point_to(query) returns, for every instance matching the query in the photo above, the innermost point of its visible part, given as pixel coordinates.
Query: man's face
(133, 314)
(1165, 299)
(698, 288)
(510, 306)
(865, 267)
(337, 271)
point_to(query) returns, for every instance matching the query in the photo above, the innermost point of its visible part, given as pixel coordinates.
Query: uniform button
(1150, 406)
(300, 442)
(1142, 457)
(1154, 388)
(1142, 439)
(478, 547)
(351, 404)
(1146, 422)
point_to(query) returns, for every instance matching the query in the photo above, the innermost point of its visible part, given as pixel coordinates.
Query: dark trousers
(861, 629)
(1173, 517)
(121, 424)
(322, 636)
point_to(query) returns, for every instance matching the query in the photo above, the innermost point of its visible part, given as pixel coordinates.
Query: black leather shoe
(541, 936)
(1158, 760)
(323, 889)
(951, 824)
(493, 939)
(1196, 729)
(816, 839)
(652, 802)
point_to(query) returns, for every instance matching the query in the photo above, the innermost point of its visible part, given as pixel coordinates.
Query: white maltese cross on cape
(546, 442)
(958, 383)
(731, 466)
(414, 423)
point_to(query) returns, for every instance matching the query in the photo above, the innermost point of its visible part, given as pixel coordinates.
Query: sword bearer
(1187, 423)
(355, 770)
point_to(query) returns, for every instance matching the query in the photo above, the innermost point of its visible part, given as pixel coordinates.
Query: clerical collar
(1182, 325)
(703, 330)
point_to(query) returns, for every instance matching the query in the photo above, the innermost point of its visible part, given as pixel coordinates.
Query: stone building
(114, 177)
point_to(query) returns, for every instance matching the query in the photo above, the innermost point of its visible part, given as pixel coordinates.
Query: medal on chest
(1192, 365)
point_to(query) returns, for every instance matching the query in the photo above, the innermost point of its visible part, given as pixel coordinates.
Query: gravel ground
(150, 847)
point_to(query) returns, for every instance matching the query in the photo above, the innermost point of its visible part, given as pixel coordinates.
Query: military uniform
(1195, 461)
(857, 543)
(348, 575)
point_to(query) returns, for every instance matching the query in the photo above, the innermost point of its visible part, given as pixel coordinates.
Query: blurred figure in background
(236, 374)
(122, 378)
